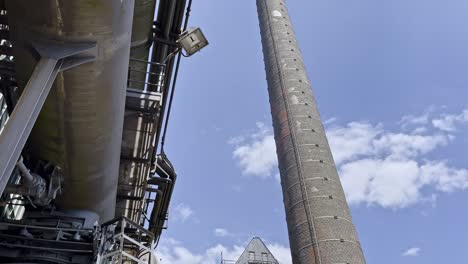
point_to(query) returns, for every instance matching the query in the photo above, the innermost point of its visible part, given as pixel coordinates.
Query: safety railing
(146, 75)
(144, 95)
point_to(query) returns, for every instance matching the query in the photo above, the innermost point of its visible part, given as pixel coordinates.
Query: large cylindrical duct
(141, 41)
(317, 214)
(80, 125)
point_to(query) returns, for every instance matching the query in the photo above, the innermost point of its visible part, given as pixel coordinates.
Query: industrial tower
(319, 221)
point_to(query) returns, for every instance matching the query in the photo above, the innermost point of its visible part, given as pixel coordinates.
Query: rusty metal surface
(319, 221)
(80, 126)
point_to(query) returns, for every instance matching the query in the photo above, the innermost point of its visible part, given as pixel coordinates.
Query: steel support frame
(118, 236)
(54, 58)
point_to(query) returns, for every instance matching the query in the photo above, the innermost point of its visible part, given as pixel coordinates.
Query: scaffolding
(124, 241)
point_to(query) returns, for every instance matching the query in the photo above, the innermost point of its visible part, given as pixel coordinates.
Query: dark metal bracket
(164, 41)
(55, 57)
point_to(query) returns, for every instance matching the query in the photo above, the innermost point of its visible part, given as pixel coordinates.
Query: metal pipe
(168, 176)
(164, 25)
(158, 200)
(167, 29)
(25, 172)
(174, 82)
(156, 212)
(311, 186)
(170, 64)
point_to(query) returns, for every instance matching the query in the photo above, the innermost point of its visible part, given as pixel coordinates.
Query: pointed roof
(257, 252)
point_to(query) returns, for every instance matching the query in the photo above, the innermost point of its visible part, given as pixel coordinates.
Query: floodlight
(192, 41)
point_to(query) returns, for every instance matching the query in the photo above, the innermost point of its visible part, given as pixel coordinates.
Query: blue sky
(390, 80)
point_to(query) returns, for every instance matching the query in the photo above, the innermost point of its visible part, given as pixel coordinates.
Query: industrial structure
(86, 90)
(317, 214)
(256, 252)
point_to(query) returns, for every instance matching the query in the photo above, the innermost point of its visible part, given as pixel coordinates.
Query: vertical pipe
(317, 214)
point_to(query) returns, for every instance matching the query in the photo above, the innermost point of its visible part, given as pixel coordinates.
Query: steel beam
(54, 58)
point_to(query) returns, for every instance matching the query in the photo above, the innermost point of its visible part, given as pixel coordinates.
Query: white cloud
(448, 122)
(221, 232)
(380, 167)
(398, 183)
(352, 141)
(281, 253)
(330, 121)
(173, 252)
(411, 252)
(415, 120)
(256, 153)
(236, 140)
(358, 139)
(182, 212)
(420, 130)
(392, 169)
(406, 146)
